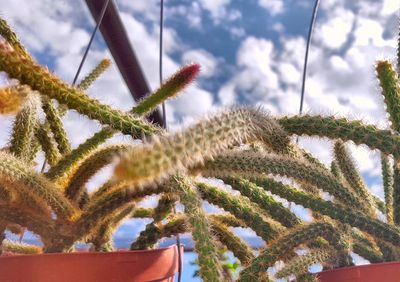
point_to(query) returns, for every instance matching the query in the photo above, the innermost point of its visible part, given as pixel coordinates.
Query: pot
(139, 266)
(386, 271)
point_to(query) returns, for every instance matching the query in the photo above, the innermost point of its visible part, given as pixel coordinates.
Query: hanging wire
(310, 32)
(103, 11)
(178, 240)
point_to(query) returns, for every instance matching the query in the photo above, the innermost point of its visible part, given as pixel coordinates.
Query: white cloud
(335, 31)
(275, 7)
(217, 8)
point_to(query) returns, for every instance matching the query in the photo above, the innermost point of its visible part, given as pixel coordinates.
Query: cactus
(299, 265)
(12, 98)
(244, 147)
(94, 74)
(24, 128)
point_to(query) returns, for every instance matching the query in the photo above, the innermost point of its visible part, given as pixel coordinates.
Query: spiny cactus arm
(48, 144)
(242, 209)
(307, 277)
(390, 90)
(88, 167)
(169, 154)
(379, 204)
(251, 164)
(107, 203)
(396, 194)
(165, 205)
(153, 232)
(53, 118)
(169, 88)
(266, 202)
(276, 250)
(30, 73)
(389, 251)
(15, 174)
(398, 53)
(227, 219)
(8, 34)
(37, 223)
(373, 256)
(299, 265)
(69, 162)
(233, 243)
(19, 248)
(24, 127)
(143, 213)
(388, 185)
(94, 74)
(205, 244)
(148, 237)
(348, 168)
(341, 128)
(374, 227)
(12, 98)
(102, 234)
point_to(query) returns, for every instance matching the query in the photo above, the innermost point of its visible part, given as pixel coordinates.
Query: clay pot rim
(378, 264)
(87, 253)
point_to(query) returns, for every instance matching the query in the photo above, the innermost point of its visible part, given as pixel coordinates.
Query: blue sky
(251, 52)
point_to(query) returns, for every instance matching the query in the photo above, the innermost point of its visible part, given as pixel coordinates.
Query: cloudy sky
(251, 53)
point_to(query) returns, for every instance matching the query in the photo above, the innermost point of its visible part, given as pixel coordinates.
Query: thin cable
(178, 239)
(103, 11)
(310, 32)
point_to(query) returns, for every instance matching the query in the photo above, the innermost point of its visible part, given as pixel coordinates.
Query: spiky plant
(244, 147)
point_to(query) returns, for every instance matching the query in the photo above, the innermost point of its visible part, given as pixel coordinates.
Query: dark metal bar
(123, 53)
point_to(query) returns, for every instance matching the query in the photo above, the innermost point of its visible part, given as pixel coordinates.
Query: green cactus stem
(15, 175)
(257, 195)
(396, 194)
(390, 252)
(169, 154)
(278, 249)
(227, 219)
(390, 90)
(48, 144)
(8, 34)
(24, 127)
(143, 213)
(388, 185)
(165, 205)
(102, 235)
(153, 233)
(37, 223)
(350, 172)
(69, 162)
(242, 209)
(341, 128)
(232, 242)
(205, 244)
(365, 246)
(168, 89)
(94, 74)
(53, 118)
(252, 164)
(108, 202)
(19, 248)
(88, 167)
(30, 73)
(374, 227)
(299, 265)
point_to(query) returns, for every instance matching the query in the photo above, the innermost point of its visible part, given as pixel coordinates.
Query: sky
(251, 53)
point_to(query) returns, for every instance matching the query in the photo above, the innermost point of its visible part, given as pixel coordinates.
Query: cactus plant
(246, 148)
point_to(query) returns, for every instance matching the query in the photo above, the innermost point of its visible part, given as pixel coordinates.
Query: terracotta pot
(140, 266)
(387, 271)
